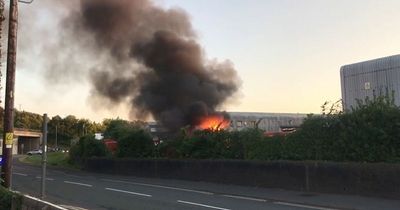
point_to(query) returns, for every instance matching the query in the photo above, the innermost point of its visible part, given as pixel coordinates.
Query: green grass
(53, 159)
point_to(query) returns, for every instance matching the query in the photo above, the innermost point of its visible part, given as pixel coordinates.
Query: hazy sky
(288, 53)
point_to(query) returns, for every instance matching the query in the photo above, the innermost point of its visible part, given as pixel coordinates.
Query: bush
(371, 132)
(368, 133)
(86, 147)
(266, 149)
(204, 144)
(248, 139)
(117, 129)
(6, 198)
(136, 143)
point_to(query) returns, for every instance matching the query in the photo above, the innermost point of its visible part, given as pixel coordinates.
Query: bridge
(25, 140)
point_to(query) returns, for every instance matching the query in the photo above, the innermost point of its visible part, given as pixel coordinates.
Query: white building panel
(369, 79)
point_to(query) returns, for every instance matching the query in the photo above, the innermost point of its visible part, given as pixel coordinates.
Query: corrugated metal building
(269, 122)
(370, 78)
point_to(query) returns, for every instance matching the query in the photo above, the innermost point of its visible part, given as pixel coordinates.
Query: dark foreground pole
(6, 168)
(44, 157)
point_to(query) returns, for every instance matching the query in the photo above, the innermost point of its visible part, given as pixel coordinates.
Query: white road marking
(66, 174)
(50, 179)
(302, 206)
(159, 186)
(73, 207)
(77, 183)
(202, 205)
(245, 198)
(128, 192)
(20, 174)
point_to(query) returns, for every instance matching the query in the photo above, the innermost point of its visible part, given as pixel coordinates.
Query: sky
(288, 53)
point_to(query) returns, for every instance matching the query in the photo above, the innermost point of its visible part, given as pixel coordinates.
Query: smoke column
(149, 58)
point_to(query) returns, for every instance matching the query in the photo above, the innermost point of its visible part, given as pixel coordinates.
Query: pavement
(74, 189)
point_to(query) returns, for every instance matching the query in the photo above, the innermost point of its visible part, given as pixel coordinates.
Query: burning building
(236, 121)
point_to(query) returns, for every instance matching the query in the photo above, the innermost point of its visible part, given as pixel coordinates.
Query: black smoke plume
(150, 59)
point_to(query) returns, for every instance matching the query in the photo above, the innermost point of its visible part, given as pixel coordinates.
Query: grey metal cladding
(267, 121)
(370, 78)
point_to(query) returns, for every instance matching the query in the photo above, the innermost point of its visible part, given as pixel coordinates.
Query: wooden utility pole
(44, 157)
(8, 137)
(2, 18)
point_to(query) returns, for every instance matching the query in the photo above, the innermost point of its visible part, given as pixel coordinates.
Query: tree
(87, 147)
(117, 129)
(135, 143)
(28, 120)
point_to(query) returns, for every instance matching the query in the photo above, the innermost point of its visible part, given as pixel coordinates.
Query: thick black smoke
(152, 61)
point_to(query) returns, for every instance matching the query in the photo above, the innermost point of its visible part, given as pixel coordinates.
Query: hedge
(6, 199)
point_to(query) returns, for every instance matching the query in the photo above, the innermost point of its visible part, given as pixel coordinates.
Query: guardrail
(27, 202)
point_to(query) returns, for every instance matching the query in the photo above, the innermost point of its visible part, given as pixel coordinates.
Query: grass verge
(53, 159)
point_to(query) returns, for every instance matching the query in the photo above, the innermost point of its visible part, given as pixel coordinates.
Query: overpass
(25, 140)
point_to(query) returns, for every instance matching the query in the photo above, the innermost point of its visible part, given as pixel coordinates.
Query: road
(107, 192)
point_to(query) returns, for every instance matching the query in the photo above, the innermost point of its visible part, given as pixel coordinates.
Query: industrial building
(268, 122)
(370, 79)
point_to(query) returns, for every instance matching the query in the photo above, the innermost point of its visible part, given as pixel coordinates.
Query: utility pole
(8, 137)
(56, 137)
(44, 156)
(2, 18)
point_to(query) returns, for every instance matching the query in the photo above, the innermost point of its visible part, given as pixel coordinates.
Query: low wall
(372, 179)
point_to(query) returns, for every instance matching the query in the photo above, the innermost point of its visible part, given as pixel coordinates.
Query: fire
(214, 122)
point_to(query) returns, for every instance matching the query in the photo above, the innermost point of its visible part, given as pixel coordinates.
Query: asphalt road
(99, 191)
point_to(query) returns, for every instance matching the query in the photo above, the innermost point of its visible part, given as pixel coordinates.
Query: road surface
(107, 192)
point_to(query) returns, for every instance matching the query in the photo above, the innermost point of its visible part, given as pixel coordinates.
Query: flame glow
(214, 122)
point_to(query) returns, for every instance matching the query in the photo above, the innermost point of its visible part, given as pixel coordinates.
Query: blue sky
(287, 52)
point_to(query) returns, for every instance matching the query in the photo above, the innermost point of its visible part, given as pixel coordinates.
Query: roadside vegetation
(53, 159)
(8, 198)
(66, 129)
(369, 132)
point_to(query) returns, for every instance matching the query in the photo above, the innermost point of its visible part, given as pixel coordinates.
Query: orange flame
(214, 122)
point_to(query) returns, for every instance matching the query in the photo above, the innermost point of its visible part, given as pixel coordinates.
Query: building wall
(14, 149)
(270, 122)
(370, 78)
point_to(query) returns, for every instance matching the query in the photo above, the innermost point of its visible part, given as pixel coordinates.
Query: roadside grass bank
(57, 159)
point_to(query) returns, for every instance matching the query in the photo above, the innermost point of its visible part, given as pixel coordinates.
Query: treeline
(368, 133)
(66, 129)
(133, 138)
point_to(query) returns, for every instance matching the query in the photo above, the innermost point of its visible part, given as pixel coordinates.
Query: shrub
(6, 200)
(136, 143)
(248, 139)
(369, 132)
(86, 147)
(204, 144)
(266, 149)
(117, 129)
